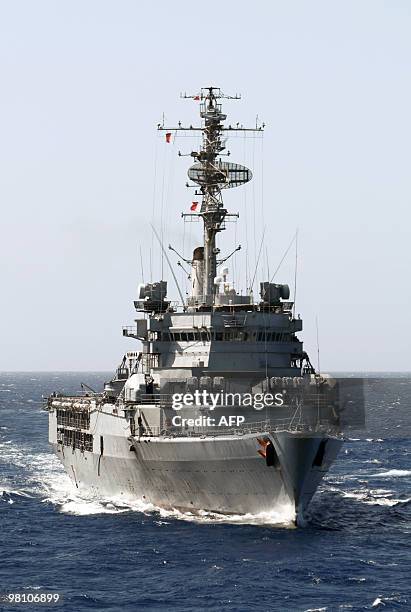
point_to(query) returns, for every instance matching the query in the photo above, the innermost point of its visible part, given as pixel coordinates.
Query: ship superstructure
(218, 407)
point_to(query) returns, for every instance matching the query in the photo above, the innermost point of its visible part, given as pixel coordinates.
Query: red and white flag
(197, 98)
(168, 137)
(193, 206)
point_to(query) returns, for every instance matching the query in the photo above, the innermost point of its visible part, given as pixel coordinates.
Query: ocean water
(111, 554)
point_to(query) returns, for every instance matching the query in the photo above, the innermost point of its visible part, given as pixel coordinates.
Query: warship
(217, 407)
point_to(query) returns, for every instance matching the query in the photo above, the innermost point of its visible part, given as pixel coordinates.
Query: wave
(81, 503)
(72, 501)
(373, 497)
(391, 473)
(382, 600)
(282, 516)
(377, 602)
(7, 491)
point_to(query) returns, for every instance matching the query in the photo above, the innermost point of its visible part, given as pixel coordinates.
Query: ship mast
(212, 175)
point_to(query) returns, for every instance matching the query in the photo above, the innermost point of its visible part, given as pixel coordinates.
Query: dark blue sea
(105, 554)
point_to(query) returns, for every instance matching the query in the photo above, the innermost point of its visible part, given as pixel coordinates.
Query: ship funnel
(197, 272)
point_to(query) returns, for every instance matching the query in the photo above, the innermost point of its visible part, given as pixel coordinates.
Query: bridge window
(238, 335)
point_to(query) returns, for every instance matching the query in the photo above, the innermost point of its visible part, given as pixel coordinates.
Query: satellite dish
(221, 174)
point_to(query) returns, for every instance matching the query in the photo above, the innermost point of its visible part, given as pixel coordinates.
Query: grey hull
(222, 474)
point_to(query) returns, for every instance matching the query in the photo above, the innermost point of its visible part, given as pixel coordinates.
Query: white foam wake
(392, 473)
(73, 501)
(282, 516)
(374, 497)
(78, 502)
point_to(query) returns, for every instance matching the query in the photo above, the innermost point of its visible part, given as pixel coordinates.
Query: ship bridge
(228, 339)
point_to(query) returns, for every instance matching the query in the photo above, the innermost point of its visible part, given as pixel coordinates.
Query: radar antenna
(212, 175)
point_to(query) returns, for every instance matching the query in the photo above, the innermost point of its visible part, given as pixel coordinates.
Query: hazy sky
(83, 86)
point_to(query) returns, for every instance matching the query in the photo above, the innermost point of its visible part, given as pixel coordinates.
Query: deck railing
(261, 427)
